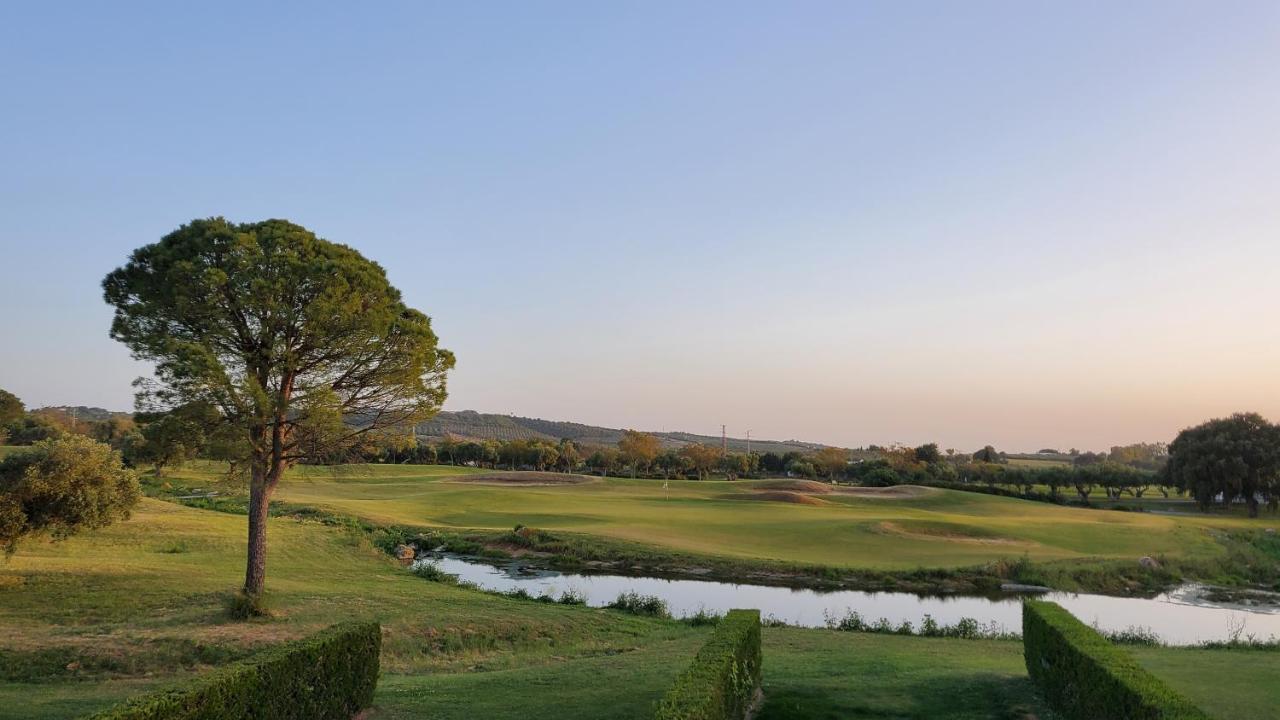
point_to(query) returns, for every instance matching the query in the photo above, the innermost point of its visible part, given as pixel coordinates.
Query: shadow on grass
(972, 697)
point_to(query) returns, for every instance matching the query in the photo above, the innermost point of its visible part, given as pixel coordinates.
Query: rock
(1148, 562)
(404, 552)
(1020, 588)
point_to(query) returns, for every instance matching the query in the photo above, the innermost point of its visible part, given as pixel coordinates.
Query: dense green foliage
(329, 676)
(167, 439)
(1234, 457)
(62, 486)
(1085, 677)
(299, 345)
(11, 408)
(30, 429)
(725, 677)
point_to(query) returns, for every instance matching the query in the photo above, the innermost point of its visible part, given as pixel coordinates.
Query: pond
(1179, 617)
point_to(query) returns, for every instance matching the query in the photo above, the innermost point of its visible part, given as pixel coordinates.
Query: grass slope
(933, 528)
(89, 621)
(86, 622)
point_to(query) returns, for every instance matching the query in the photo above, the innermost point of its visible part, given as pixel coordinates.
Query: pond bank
(1184, 616)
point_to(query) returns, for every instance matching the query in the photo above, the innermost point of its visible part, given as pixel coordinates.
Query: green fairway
(789, 521)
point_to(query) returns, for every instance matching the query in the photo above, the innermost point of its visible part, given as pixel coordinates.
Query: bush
(1084, 677)
(724, 679)
(702, 617)
(636, 604)
(572, 597)
(328, 676)
(62, 486)
(243, 606)
(430, 571)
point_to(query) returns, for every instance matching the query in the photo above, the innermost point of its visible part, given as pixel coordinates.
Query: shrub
(243, 606)
(430, 571)
(1084, 677)
(62, 486)
(636, 604)
(702, 617)
(724, 679)
(572, 597)
(328, 676)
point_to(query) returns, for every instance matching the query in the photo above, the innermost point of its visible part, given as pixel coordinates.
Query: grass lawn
(1225, 683)
(87, 622)
(752, 520)
(809, 675)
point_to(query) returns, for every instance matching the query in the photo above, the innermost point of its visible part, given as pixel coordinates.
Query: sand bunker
(897, 492)
(803, 486)
(779, 496)
(523, 479)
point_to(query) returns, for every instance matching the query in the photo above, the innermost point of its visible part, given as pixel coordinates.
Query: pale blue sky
(1020, 223)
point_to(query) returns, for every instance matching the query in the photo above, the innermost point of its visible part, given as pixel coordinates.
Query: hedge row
(1085, 677)
(724, 679)
(328, 676)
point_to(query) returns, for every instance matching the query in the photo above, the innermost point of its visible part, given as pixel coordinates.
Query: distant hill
(471, 425)
(82, 412)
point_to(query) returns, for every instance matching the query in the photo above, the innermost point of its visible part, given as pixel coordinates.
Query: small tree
(63, 486)
(988, 454)
(772, 462)
(31, 429)
(702, 459)
(570, 455)
(929, 454)
(1235, 457)
(639, 449)
(603, 460)
(11, 408)
(168, 439)
(299, 344)
(832, 461)
(735, 465)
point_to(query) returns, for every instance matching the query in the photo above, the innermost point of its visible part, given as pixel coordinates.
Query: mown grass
(934, 529)
(809, 675)
(1238, 683)
(121, 604)
(88, 621)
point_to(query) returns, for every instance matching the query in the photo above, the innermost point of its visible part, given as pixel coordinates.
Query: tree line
(1222, 461)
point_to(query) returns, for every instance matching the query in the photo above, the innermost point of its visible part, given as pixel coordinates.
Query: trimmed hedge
(328, 676)
(724, 679)
(1085, 677)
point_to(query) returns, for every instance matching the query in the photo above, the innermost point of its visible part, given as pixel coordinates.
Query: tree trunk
(259, 497)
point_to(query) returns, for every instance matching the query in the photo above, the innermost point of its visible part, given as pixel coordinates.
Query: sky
(1018, 223)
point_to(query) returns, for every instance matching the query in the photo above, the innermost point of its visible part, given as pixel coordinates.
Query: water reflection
(1179, 617)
